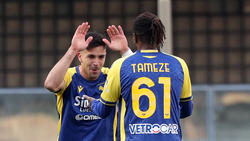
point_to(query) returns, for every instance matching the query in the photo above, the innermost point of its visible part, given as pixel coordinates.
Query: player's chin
(95, 73)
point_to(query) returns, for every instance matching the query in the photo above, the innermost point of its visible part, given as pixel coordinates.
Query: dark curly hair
(149, 29)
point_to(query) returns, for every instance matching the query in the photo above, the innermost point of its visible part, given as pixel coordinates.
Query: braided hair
(149, 29)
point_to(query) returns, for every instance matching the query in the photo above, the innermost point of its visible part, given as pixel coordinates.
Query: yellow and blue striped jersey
(77, 122)
(151, 88)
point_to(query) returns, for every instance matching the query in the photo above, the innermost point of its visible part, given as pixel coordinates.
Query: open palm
(78, 42)
(118, 40)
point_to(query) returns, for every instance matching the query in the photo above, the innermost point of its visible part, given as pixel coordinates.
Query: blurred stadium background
(213, 36)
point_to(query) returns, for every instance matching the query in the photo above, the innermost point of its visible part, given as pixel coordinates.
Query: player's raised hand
(118, 40)
(78, 42)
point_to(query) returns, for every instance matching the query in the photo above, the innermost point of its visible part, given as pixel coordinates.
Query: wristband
(128, 52)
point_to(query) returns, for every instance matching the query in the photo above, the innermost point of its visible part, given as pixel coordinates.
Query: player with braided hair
(153, 88)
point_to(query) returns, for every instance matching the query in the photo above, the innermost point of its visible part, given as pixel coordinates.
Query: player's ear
(79, 56)
(135, 38)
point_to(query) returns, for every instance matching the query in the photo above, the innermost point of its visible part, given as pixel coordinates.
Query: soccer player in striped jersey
(76, 122)
(153, 88)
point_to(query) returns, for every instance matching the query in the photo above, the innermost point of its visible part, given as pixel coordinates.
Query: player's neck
(147, 47)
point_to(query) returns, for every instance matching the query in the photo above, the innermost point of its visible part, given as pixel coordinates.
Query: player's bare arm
(55, 79)
(118, 39)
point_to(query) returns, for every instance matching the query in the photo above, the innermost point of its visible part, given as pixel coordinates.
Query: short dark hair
(149, 29)
(97, 40)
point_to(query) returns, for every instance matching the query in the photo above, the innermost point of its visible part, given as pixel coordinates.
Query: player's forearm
(55, 77)
(101, 109)
(186, 108)
(126, 52)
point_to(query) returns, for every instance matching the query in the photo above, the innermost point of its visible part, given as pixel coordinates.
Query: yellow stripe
(59, 108)
(148, 51)
(112, 87)
(67, 78)
(105, 70)
(186, 100)
(187, 88)
(122, 128)
(106, 103)
(149, 56)
(191, 98)
(115, 125)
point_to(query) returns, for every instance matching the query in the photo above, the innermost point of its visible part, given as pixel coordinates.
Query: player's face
(92, 61)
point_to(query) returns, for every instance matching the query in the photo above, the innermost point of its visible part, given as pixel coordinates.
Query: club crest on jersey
(79, 88)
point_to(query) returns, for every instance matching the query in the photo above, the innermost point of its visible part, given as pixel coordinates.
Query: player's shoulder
(72, 69)
(105, 70)
(179, 59)
(120, 61)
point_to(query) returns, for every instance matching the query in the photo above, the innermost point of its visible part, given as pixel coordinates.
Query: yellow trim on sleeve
(122, 117)
(59, 109)
(115, 125)
(112, 90)
(67, 78)
(186, 100)
(186, 89)
(105, 70)
(106, 103)
(112, 87)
